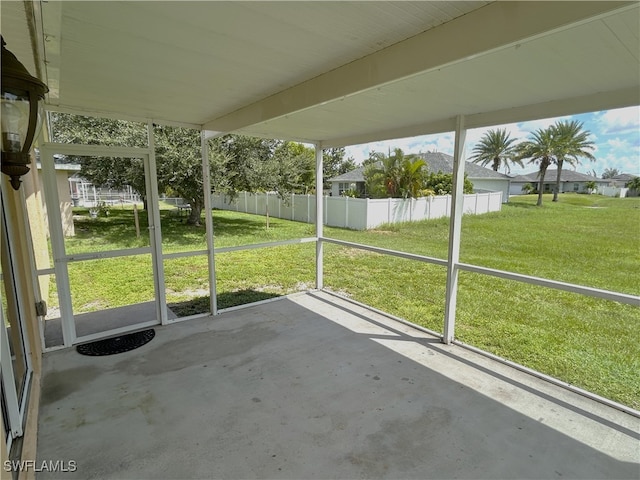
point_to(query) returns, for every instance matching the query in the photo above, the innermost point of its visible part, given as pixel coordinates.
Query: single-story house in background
(621, 180)
(483, 179)
(617, 186)
(570, 181)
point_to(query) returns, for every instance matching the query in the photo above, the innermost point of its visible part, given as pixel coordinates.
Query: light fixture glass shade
(15, 121)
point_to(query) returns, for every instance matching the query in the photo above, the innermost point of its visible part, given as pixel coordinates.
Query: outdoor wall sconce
(21, 114)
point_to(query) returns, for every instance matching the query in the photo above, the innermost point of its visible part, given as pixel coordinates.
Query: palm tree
(570, 143)
(411, 177)
(539, 149)
(389, 172)
(610, 172)
(495, 148)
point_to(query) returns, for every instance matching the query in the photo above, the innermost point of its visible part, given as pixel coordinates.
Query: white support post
(319, 220)
(455, 228)
(155, 237)
(208, 221)
(60, 266)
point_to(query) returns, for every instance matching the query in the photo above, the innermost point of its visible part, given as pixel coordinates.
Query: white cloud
(620, 120)
(623, 163)
(617, 143)
(425, 143)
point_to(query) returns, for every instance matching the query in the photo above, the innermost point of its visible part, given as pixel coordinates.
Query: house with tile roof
(483, 179)
(621, 180)
(570, 181)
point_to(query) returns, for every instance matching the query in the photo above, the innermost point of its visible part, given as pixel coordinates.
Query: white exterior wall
(515, 188)
(493, 185)
(64, 195)
(565, 187)
(357, 213)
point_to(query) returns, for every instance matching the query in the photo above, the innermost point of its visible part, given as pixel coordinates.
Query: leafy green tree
(242, 155)
(179, 166)
(610, 173)
(571, 143)
(297, 167)
(78, 129)
(591, 186)
(539, 149)
(442, 183)
(260, 165)
(634, 184)
(496, 148)
(110, 172)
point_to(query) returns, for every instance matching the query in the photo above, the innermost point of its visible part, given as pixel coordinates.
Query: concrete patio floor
(103, 321)
(314, 386)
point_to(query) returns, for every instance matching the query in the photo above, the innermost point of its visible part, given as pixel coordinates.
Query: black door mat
(111, 346)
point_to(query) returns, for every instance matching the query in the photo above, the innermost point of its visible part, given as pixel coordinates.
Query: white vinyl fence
(613, 191)
(356, 213)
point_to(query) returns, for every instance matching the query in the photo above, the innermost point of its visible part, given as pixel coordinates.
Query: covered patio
(315, 386)
(311, 385)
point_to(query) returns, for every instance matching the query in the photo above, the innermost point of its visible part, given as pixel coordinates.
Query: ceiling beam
(491, 28)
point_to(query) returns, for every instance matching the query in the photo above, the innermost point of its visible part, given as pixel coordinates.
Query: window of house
(343, 187)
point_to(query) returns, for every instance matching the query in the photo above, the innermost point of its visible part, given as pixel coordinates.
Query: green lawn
(588, 240)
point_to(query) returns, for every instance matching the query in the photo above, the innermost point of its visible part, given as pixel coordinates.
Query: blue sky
(616, 134)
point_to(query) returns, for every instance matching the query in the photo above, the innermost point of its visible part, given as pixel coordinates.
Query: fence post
(388, 210)
(366, 214)
(325, 212)
(346, 212)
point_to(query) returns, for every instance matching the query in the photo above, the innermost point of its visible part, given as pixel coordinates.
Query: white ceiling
(336, 73)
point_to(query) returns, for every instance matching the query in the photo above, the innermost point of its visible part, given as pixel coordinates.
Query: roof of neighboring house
(442, 162)
(436, 162)
(550, 176)
(623, 177)
(356, 175)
